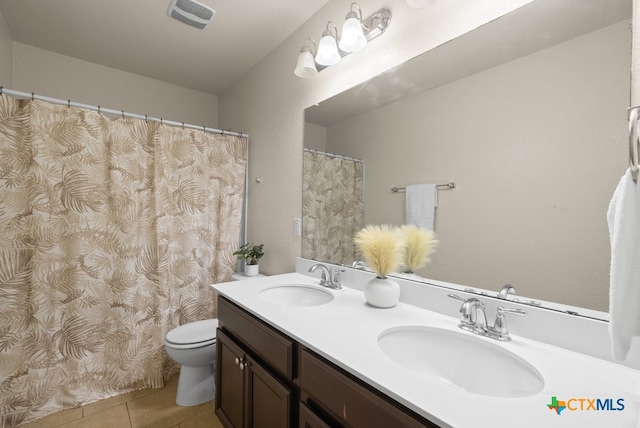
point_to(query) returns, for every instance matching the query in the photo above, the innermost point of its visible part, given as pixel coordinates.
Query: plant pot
(382, 292)
(251, 270)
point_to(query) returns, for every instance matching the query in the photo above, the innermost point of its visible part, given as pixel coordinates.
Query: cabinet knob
(242, 362)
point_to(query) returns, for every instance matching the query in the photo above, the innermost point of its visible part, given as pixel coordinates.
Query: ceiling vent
(191, 13)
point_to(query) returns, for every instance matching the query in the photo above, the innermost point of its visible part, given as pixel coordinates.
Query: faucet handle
(336, 278)
(514, 311)
(499, 328)
(455, 296)
(323, 278)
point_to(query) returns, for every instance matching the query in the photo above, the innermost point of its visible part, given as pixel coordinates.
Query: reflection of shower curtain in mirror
(110, 233)
(332, 207)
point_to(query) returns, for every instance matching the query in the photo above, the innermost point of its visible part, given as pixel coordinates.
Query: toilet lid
(193, 332)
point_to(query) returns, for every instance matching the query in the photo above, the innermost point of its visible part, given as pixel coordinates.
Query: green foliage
(250, 253)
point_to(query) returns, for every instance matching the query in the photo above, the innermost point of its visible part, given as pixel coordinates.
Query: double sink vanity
(294, 353)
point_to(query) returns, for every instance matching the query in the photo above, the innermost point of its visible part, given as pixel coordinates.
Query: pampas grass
(419, 243)
(381, 248)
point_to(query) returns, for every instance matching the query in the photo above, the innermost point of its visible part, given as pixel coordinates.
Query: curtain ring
(161, 122)
(68, 103)
(204, 128)
(33, 96)
(183, 126)
(122, 113)
(146, 119)
(1, 87)
(98, 109)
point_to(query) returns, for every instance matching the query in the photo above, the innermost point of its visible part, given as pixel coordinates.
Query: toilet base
(196, 385)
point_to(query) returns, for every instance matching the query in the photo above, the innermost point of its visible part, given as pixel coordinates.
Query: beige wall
(269, 102)
(536, 148)
(315, 137)
(6, 55)
(59, 76)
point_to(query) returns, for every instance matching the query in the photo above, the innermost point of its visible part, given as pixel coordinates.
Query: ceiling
(138, 36)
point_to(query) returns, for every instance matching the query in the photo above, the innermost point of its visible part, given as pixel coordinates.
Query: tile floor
(147, 408)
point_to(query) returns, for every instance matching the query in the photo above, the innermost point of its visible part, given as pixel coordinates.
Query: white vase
(251, 270)
(382, 292)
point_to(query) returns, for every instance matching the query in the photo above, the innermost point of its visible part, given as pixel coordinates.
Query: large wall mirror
(527, 115)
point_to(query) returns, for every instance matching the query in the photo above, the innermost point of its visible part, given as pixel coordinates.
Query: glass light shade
(327, 50)
(306, 66)
(352, 35)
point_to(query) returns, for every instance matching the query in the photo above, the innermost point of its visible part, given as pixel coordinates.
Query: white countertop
(345, 331)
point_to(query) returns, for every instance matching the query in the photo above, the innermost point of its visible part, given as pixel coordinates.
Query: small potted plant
(251, 254)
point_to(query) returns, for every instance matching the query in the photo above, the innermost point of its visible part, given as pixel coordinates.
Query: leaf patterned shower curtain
(332, 207)
(110, 233)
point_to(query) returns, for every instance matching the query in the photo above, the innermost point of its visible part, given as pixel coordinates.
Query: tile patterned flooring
(147, 408)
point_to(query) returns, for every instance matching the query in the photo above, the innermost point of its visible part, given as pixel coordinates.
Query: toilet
(193, 346)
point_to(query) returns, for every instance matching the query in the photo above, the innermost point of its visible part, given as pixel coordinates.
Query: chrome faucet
(505, 291)
(329, 278)
(358, 264)
(474, 318)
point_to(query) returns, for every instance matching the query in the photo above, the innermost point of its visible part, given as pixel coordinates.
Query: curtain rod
(122, 113)
(333, 155)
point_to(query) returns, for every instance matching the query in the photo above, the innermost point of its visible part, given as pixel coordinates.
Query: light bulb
(353, 38)
(327, 50)
(306, 66)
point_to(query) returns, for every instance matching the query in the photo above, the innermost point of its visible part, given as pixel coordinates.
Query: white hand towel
(623, 218)
(421, 201)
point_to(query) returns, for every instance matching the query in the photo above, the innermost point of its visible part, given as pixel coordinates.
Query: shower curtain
(110, 233)
(332, 207)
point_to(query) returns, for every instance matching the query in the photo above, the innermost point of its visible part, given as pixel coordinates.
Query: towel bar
(451, 185)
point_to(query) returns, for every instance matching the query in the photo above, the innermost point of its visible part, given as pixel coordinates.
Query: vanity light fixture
(353, 38)
(306, 66)
(328, 48)
(356, 33)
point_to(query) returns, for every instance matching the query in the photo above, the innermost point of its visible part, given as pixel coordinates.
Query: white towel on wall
(421, 201)
(623, 218)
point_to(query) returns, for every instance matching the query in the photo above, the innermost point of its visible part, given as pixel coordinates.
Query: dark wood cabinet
(269, 401)
(254, 372)
(230, 382)
(264, 379)
(247, 394)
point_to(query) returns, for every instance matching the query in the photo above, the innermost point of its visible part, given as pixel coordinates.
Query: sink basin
(296, 295)
(462, 360)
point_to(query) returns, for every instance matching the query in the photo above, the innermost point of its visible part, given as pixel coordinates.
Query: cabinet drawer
(272, 347)
(349, 402)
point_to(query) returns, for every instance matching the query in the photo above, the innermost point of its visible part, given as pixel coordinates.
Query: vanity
(293, 353)
(267, 378)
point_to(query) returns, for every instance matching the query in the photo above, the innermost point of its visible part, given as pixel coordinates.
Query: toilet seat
(196, 334)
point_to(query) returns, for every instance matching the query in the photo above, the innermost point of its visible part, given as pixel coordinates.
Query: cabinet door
(229, 382)
(268, 400)
(308, 419)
